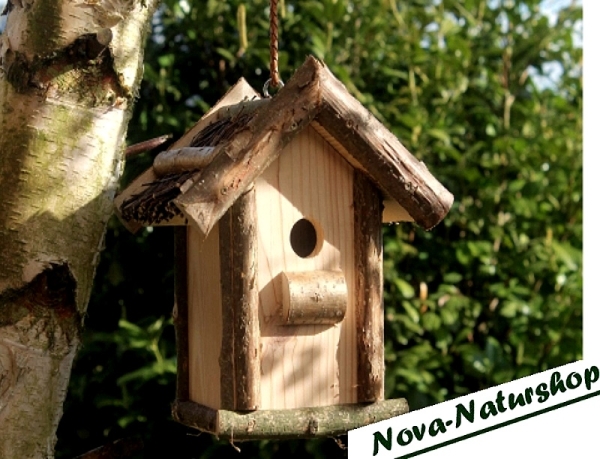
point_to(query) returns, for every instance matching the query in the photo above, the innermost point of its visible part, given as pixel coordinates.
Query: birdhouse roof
(205, 172)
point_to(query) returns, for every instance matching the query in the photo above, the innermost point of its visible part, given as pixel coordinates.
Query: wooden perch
(315, 297)
(323, 421)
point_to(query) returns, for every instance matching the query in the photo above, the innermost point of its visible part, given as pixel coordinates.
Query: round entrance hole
(304, 238)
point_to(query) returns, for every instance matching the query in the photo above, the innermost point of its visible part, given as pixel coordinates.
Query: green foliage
(492, 294)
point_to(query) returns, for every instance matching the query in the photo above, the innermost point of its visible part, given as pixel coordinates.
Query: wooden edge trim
(383, 157)
(369, 289)
(180, 313)
(240, 356)
(316, 422)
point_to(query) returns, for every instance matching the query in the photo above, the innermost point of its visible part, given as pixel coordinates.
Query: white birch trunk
(65, 101)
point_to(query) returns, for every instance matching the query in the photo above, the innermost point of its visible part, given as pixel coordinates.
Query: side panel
(205, 318)
(305, 365)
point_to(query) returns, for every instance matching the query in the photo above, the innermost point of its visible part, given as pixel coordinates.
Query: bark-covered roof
(154, 203)
(245, 139)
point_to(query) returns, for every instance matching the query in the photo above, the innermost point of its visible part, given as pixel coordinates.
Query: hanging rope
(274, 81)
(274, 37)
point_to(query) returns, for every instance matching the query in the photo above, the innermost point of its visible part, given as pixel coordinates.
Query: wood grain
(305, 365)
(205, 317)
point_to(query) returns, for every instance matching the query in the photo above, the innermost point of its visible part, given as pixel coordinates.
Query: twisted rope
(274, 45)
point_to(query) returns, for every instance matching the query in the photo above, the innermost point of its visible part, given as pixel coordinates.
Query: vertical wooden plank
(240, 350)
(204, 312)
(305, 365)
(180, 314)
(368, 210)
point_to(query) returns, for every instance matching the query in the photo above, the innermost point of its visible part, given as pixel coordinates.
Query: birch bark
(69, 73)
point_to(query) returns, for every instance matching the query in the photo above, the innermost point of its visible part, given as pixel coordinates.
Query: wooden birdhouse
(279, 204)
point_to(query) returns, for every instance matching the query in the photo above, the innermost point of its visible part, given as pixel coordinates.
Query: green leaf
(431, 321)
(440, 135)
(570, 256)
(406, 290)
(452, 278)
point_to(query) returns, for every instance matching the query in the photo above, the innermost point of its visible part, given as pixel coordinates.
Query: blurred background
(488, 93)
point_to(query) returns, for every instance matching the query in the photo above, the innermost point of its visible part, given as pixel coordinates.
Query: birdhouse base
(315, 422)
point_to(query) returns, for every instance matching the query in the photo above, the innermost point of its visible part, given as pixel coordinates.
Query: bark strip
(323, 421)
(369, 289)
(240, 357)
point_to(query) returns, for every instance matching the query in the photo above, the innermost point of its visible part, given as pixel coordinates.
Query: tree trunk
(70, 71)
